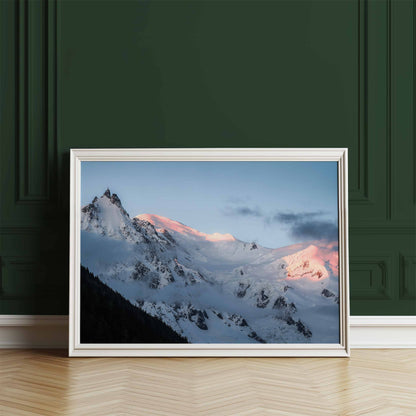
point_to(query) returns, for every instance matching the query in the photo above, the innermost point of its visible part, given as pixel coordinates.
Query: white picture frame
(77, 156)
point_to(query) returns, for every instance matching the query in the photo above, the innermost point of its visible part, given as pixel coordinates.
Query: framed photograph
(209, 252)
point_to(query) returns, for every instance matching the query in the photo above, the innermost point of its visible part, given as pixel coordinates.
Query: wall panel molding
(359, 189)
(36, 101)
(382, 226)
(16, 230)
(17, 278)
(384, 229)
(402, 99)
(30, 218)
(372, 199)
(373, 277)
(389, 146)
(407, 282)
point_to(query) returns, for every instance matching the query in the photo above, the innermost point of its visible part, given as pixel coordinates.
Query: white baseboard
(383, 331)
(33, 331)
(51, 331)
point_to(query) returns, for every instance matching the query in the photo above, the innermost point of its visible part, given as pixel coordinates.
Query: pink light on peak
(328, 252)
(161, 223)
(312, 262)
(219, 237)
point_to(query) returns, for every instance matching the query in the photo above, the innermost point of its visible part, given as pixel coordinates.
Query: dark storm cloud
(308, 225)
(315, 230)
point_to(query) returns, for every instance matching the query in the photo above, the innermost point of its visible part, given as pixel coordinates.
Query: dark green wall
(203, 74)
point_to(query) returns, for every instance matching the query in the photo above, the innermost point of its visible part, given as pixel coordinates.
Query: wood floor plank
(371, 382)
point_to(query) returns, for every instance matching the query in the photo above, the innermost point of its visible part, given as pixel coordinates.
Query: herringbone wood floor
(371, 382)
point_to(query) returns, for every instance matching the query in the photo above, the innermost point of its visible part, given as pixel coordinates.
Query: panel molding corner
(377, 269)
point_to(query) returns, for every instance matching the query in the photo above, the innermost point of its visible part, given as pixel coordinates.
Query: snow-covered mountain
(163, 223)
(212, 287)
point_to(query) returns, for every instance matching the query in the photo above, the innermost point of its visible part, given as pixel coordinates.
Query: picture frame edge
(78, 155)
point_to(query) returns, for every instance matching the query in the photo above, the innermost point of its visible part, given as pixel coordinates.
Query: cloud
(294, 217)
(243, 211)
(315, 230)
(302, 226)
(307, 225)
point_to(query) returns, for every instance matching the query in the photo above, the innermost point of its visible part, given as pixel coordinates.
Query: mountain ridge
(161, 223)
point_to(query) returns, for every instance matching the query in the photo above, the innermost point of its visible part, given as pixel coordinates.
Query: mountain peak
(164, 223)
(307, 263)
(106, 216)
(114, 199)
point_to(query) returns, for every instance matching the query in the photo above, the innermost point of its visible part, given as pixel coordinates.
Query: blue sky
(273, 203)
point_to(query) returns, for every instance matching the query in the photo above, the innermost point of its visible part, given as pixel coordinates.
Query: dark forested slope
(106, 317)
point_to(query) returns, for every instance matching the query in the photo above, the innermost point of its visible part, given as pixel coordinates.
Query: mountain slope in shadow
(106, 317)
